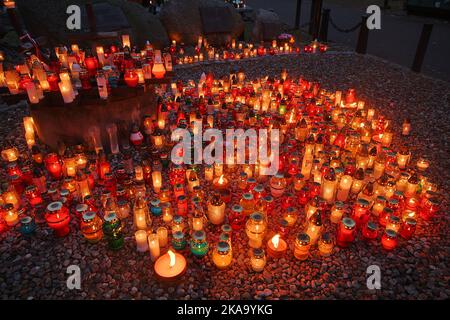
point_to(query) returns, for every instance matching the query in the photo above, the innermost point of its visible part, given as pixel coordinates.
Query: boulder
(48, 18)
(267, 27)
(185, 21)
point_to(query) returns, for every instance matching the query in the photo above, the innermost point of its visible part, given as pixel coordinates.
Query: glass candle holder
(178, 240)
(394, 223)
(112, 229)
(167, 215)
(216, 210)
(154, 246)
(314, 228)
(277, 185)
(178, 224)
(255, 229)
(123, 209)
(91, 227)
(199, 245)
(384, 216)
(58, 218)
(389, 240)
(326, 244)
(247, 203)
(336, 212)
(346, 232)
(163, 235)
(429, 209)
(370, 230)
(236, 217)
(291, 216)
(53, 165)
(258, 259)
(27, 226)
(302, 246)
(408, 228)
(155, 208)
(182, 206)
(222, 255)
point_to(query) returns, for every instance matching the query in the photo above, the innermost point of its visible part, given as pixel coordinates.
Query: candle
(258, 259)
(403, 157)
(10, 154)
(166, 212)
(209, 172)
(91, 226)
(408, 228)
(220, 183)
(199, 245)
(302, 246)
(389, 240)
(162, 236)
(314, 228)
(32, 92)
(157, 181)
(10, 216)
(346, 232)
(153, 245)
(141, 240)
(170, 266)
(66, 92)
(58, 218)
(406, 127)
(131, 78)
(255, 229)
(178, 240)
(112, 229)
(141, 214)
(100, 55)
(326, 244)
(126, 41)
(216, 210)
(27, 226)
(276, 247)
(277, 185)
(344, 188)
(329, 186)
(222, 255)
(422, 164)
(158, 69)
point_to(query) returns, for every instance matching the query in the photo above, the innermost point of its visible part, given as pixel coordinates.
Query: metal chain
(344, 30)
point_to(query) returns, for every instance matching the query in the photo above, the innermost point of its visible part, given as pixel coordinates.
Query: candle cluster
(237, 50)
(339, 178)
(69, 71)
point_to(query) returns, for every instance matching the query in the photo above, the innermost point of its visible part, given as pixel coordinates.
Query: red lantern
(53, 80)
(53, 165)
(131, 78)
(91, 64)
(58, 218)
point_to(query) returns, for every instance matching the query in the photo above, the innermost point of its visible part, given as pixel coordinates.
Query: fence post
(316, 9)
(361, 45)
(298, 13)
(422, 47)
(323, 34)
(91, 17)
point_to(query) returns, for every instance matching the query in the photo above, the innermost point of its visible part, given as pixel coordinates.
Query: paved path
(396, 41)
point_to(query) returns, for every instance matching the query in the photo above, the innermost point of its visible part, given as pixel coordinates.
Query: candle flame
(220, 181)
(172, 258)
(276, 240)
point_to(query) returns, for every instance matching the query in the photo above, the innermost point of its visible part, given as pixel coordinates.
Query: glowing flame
(276, 240)
(220, 181)
(172, 258)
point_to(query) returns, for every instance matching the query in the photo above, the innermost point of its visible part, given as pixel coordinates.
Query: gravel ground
(418, 269)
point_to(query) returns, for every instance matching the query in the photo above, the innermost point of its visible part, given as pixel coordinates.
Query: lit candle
(276, 247)
(302, 246)
(389, 240)
(10, 216)
(157, 181)
(153, 245)
(216, 210)
(66, 92)
(344, 188)
(326, 244)
(170, 266)
(141, 240)
(126, 41)
(220, 183)
(222, 255)
(406, 127)
(162, 236)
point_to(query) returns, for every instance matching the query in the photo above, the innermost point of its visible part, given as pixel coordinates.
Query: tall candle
(153, 244)
(157, 181)
(141, 240)
(66, 92)
(162, 236)
(344, 187)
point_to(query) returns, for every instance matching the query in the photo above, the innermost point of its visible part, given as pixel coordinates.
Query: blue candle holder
(27, 226)
(155, 208)
(178, 240)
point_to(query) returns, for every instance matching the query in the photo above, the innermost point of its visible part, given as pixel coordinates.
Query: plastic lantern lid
(237, 208)
(178, 235)
(242, 174)
(394, 219)
(391, 233)
(226, 228)
(122, 202)
(256, 216)
(54, 206)
(251, 180)
(26, 220)
(372, 226)
(339, 204)
(291, 210)
(299, 176)
(258, 252)
(303, 238)
(258, 188)
(199, 235)
(410, 221)
(87, 216)
(155, 202)
(178, 219)
(381, 198)
(268, 198)
(393, 201)
(181, 198)
(284, 223)
(363, 202)
(81, 207)
(223, 246)
(110, 216)
(327, 237)
(348, 223)
(247, 196)
(279, 175)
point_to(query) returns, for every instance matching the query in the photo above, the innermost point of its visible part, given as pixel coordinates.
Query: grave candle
(170, 266)
(157, 181)
(276, 247)
(258, 259)
(344, 188)
(216, 210)
(153, 245)
(66, 92)
(126, 41)
(58, 218)
(302, 246)
(162, 236)
(389, 240)
(10, 215)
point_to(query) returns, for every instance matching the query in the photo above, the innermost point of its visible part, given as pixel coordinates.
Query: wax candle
(329, 186)
(157, 181)
(302, 246)
(314, 228)
(66, 92)
(346, 232)
(158, 69)
(170, 266)
(222, 255)
(406, 127)
(91, 226)
(153, 246)
(255, 229)
(276, 247)
(408, 228)
(344, 188)
(216, 210)
(126, 41)
(141, 214)
(326, 244)
(10, 215)
(389, 240)
(277, 185)
(162, 236)
(58, 218)
(166, 212)
(199, 245)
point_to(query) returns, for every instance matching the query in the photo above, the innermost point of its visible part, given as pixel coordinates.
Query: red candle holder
(429, 210)
(370, 231)
(389, 240)
(33, 196)
(346, 232)
(408, 228)
(58, 218)
(131, 78)
(53, 165)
